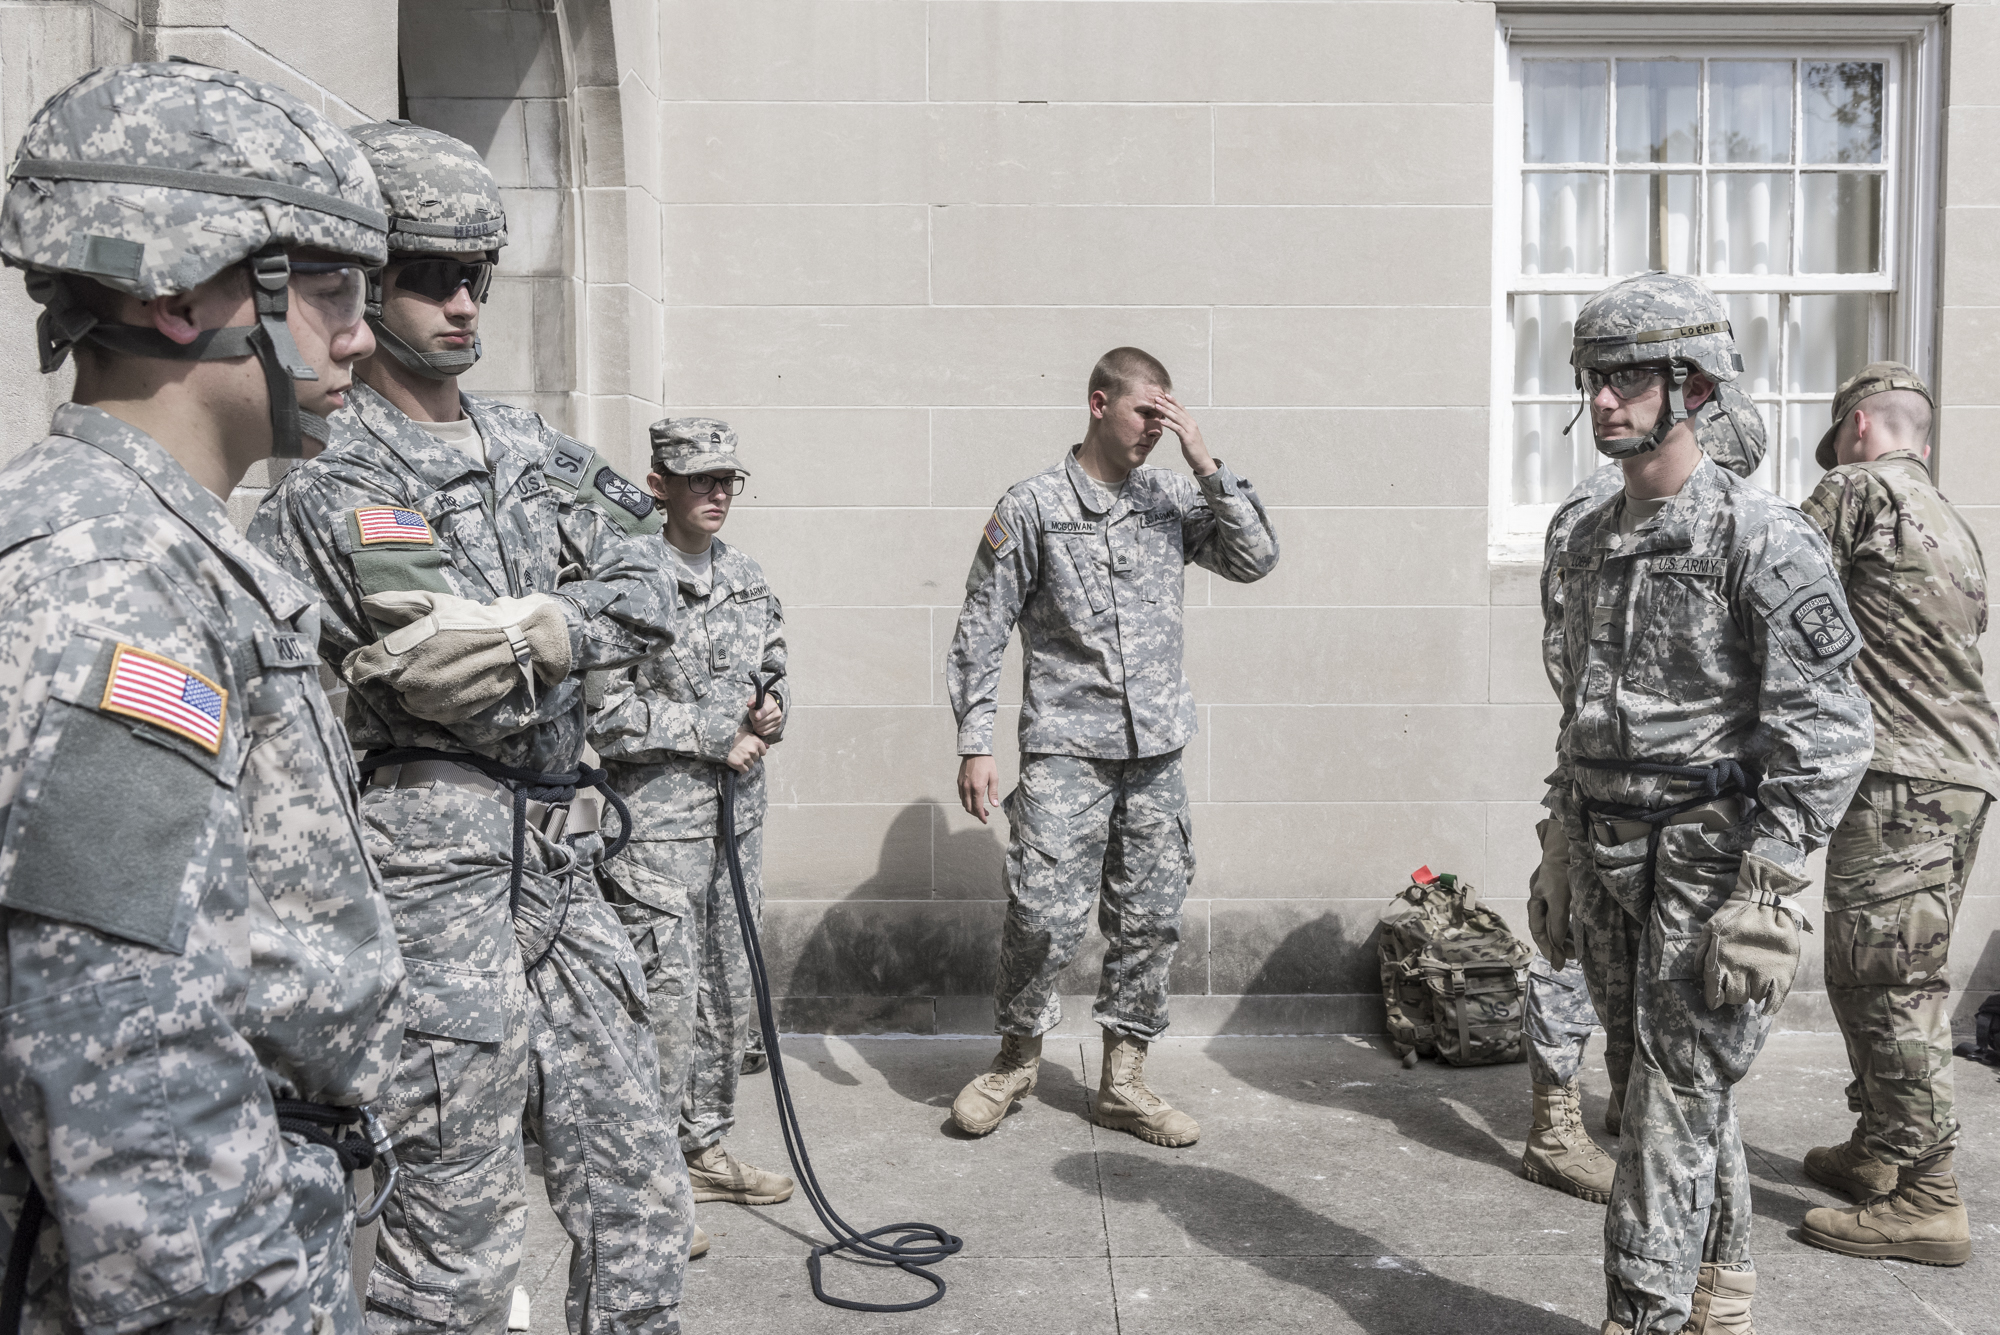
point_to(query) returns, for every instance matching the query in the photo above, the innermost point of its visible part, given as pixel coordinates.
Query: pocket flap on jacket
(451, 1001)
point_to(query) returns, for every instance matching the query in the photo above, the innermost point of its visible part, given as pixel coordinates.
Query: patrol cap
(689, 445)
(1873, 378)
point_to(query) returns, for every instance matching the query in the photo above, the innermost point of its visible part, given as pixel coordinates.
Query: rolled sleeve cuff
(1221, 482)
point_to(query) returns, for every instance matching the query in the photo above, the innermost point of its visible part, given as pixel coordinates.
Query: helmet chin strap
(63, 324)
(1631, 447)
(429, 365)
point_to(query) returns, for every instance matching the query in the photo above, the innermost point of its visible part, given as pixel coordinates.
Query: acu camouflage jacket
(543, 514)
(193, 924)
(1097, 592)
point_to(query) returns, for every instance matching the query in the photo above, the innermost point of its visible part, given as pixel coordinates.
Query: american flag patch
(386, 523)
(157, 690)
(996, 533)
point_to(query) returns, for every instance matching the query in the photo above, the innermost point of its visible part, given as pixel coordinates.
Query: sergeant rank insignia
(1825, 629)
(155, 689)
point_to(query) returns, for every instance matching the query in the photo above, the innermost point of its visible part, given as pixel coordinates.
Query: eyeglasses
(1627, 382)
(701, 484)
(336, 288)
(439, 279)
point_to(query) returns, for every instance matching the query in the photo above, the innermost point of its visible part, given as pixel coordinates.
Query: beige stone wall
(886, 239)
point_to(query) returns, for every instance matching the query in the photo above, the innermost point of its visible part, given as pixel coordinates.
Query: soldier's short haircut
(1118, 370)
(1905, 413)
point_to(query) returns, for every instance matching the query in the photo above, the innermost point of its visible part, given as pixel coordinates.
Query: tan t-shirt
(1916, 584)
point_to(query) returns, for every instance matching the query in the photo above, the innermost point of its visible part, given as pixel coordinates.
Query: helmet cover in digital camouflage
(1655, 319)
(442, 202)
(153, 178)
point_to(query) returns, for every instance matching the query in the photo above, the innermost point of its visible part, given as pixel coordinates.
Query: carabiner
(378, 1138)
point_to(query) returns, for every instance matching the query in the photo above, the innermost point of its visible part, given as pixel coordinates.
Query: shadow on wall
(1231, 1215)
(1970, 995)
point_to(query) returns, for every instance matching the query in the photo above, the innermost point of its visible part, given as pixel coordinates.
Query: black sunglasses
(439, 279)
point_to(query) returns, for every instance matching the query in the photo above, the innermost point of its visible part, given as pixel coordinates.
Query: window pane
(1749, 222)
(1548, 464)
(1754, 322)
(1542, 333)
(1832, 338)
(1843, 111)
(1767, 472)
(1840, 217)
(1562, 223)
(1652, 225)
(1564, 101)
(1798, 472)
(1750, 111)
(1657, 108)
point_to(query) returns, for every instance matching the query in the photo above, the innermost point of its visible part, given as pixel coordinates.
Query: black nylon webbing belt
(1721, 779)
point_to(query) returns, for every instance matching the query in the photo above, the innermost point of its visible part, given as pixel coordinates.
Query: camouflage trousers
(1114, 833)
(676, 901)
(1559, 1020)
(614, 1173)
(1681, 1195)
(1895, 873)
(451, 1237)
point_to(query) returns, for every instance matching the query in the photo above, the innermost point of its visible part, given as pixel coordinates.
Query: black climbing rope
(917, 1247)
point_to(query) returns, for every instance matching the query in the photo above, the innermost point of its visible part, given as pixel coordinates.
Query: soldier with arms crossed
(475, 564)
(1089, 558)
(664, 727)
(1898, 864)
(1713, 736)
(201, 980)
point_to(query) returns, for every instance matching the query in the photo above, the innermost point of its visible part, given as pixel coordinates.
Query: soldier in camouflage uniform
(1712, 738)
(1898, 864)
(1557, 1013)
(1088, 557)
(664, 728)
(199, 961)
(475, 564)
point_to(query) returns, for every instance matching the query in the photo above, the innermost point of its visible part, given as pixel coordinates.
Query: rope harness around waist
(1724, 778)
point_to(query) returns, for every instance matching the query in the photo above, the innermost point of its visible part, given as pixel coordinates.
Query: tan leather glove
(1750, 951)
(1548, 894)
(450, 657)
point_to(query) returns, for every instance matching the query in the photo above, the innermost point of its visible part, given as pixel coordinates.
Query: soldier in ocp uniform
(1558, 1014)
(1898, 863)
(1712, 738)
(665, 728)
(201, 981)
(1089, 559)
(476, 563)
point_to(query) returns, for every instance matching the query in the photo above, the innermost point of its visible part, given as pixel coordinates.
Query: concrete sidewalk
(1332, 1191)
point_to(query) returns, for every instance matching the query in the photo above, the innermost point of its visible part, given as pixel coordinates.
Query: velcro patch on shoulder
(1710, 567)
(566, 462)
(1826, 631)
(1067, 526)
(392, 523)
(997, 536)
(613, 487)
(155, 689)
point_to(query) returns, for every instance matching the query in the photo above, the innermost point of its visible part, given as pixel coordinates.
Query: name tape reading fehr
(1710, 566)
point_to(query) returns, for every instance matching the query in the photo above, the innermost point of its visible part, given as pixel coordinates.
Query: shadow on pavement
(1217, 1208)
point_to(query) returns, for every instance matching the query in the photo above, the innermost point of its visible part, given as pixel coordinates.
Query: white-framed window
(1789, 170)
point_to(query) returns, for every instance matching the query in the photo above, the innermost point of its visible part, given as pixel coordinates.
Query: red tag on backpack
(1423, 876)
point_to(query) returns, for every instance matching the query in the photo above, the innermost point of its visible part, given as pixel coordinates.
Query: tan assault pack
(1453, 977)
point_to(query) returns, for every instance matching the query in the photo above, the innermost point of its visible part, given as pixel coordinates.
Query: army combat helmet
(443, 204)
(1665, 321)
(151, 179)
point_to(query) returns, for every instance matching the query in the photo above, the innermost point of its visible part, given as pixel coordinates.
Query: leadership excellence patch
(388, 523)
(159, 691)
(996, 533)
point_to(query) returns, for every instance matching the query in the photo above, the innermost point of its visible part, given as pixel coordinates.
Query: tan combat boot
(1722, 1302)
(1560, 1152)
(1922, 1220)
(981, 1104)
(697, 1243)
(1124, 1103)
(1851, 1169)
(718, 1175)
(1611, 1327)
